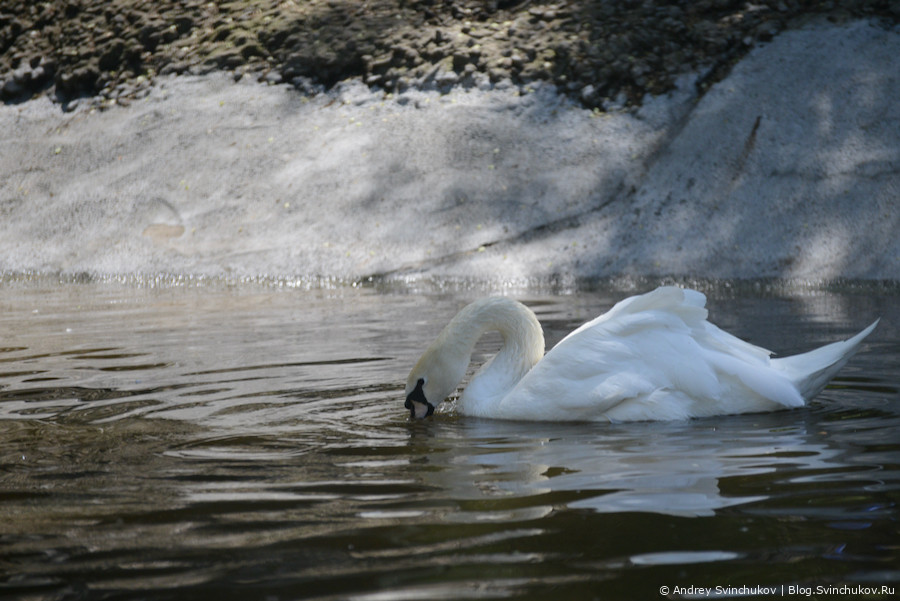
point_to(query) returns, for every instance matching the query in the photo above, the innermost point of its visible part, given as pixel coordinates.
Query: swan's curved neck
(514, 321)
(523, 347)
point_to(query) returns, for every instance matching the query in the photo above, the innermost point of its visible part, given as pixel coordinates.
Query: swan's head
(442, 367)
(434, 378)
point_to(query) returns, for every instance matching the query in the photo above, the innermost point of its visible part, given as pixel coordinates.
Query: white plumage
(650, 357)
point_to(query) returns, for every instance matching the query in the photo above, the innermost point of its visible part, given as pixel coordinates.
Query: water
(250, 442)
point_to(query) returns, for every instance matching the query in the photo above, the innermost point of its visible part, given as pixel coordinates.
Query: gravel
(603, 54)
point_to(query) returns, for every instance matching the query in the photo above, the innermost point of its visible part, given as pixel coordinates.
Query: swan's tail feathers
(811, 371)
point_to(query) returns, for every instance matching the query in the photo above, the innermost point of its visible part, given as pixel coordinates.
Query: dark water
(250, 442)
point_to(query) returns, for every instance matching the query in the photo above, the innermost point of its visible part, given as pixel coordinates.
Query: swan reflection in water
(681, 469)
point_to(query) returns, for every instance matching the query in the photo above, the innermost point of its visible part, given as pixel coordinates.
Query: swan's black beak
(418, 405)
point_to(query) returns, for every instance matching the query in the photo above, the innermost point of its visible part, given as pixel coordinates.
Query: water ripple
(251, 442)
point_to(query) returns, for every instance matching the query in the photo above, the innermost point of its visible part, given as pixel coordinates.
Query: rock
(22, 76)
(110, 59)
(11, 89)
(587, 93)
(446, 78)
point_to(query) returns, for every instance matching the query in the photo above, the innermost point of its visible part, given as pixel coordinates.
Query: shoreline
(765, 176)
(717, 288)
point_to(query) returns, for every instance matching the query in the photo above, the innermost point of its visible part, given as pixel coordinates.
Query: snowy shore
(787, 168)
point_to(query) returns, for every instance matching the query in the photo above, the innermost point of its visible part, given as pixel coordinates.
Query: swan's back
(653, 357)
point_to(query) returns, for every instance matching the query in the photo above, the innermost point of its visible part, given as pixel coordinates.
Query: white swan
(650, 357)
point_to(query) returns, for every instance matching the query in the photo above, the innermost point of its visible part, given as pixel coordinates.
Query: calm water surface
(250, 442)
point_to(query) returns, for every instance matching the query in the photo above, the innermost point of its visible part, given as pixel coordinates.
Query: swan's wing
(686, 305)
(652, 356)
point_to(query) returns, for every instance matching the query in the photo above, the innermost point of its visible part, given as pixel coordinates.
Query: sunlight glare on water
(250, 442)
